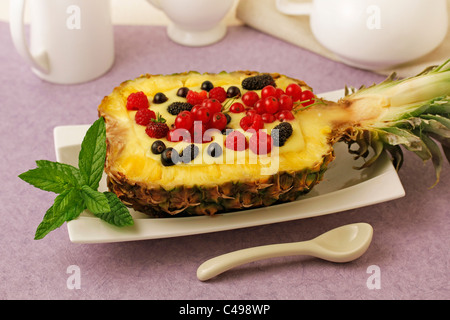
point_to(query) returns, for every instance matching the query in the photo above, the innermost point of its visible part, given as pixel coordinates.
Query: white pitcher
(71, 41)
(195, 22)
(374, 34)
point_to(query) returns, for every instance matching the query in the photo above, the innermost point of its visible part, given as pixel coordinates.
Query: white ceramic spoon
(342, 244)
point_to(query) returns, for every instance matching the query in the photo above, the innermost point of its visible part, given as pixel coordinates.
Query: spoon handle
(222, 263)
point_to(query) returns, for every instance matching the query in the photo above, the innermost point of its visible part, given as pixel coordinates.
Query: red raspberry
(144, 116)
(194, 97)
(137, 100)
(218, 93)
(254, 122)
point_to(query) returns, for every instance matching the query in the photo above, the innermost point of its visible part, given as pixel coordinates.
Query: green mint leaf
(52, 176)
(96, 202)
(67, 206)
(91, 159)
(119, 214)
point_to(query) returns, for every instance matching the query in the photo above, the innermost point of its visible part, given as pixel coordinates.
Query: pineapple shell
(144, 184)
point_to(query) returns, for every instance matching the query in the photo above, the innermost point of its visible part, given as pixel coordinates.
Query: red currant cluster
(203, 116)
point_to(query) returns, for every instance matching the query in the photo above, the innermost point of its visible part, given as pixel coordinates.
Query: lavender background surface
(411, 235)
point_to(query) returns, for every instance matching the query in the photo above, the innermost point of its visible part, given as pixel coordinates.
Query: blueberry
(169, 157)
(189, 153)
(233, 91)
(214, 150)
(160, 98)
(182, 92)
(228, 118)
(207, 85)
(158, 147)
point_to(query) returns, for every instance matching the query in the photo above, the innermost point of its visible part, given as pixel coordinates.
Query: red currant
(195, 109)
(285, 102)
(184, 120)
(218, 121)
(260, 143)
(271, 104)
(213, 105)
(249, 98)
(268, 118)
(237, 107)
(285, 115)
(236, 141)
(259, 106)
(268, 91)
(278, 93)
(295, 91)
(203, 114)
(307, 98)
(178, 135)
(250, 112)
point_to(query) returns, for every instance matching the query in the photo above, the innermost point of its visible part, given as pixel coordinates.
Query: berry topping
(184, 120)
(236, 141)
(218, 121)
(207, 85)
(268, 91)
(157, 128)
(218, 93)
(237, 107)
(295, 91)
(158, 147)
(233, 92)
(281, 133)
(285, 115)
(176, 107)
(260, 143)
(178, 135)
(268, 118)
(254, 122)
(249, 98)
(202, 114)
(214, 150)
(159, 98)
(189, 153)
(137, 100)
(169, 157)
(194, 97)
(182, 92)
(213, 105)
(271, 104)
(258, 82)
(285, 102)
(144, 116)
(307, 98)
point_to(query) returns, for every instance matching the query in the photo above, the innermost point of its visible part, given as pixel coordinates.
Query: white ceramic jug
(71, 41)
(195, 22)
(374, 34)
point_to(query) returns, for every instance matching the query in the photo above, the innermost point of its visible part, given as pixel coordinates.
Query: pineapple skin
(188, 200)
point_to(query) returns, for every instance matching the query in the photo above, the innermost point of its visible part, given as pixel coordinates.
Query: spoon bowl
(342, 244)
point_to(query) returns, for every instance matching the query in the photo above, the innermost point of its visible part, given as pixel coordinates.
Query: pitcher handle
(294, 8)
(155, 3)
(17, 11)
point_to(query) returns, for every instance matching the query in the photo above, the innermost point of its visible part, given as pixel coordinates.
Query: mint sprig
(77, 187)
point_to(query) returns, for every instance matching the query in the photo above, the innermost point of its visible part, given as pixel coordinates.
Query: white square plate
(343, 188)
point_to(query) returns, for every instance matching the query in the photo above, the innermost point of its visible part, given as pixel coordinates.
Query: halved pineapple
(396, 112)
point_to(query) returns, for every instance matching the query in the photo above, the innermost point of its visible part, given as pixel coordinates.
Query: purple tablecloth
(410, 248)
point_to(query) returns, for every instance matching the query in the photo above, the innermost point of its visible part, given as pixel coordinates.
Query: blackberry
(189, 153)
(176, 107)
(281, 133)
(159, 98)
(207, 85)
(182, 92)
(258, 82)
